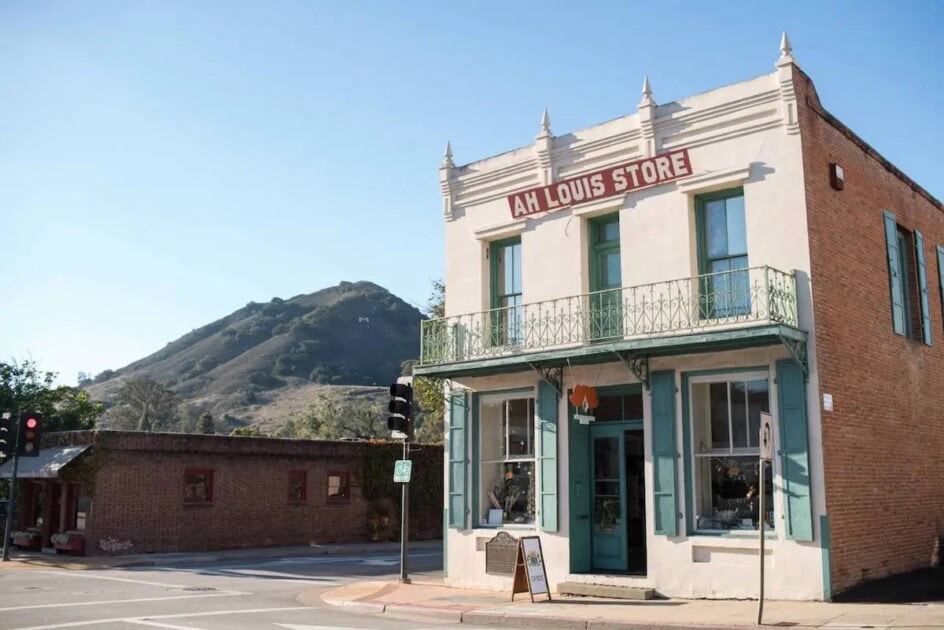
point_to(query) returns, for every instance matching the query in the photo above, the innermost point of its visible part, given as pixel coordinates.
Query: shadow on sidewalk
(921, 586)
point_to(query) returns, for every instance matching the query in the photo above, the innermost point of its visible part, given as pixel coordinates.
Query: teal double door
(608, 519)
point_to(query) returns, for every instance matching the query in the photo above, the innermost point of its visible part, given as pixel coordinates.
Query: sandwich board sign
(530, 572)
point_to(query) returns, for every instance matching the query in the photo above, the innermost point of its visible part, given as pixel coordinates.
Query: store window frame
(735, 282)
(343, 493)
(744, 374)
(298, 492)
(207, 497)
(480, 501)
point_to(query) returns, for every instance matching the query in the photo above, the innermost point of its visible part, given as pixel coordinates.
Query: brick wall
(138, 494)
(883, 441)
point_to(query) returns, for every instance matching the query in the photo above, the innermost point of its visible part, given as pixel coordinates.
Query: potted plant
(69, 542)
(27, 539)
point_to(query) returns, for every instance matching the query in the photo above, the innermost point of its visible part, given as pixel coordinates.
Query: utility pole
(11, 501)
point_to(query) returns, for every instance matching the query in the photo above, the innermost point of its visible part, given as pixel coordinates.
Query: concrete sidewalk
(433, 600)
(19, 559)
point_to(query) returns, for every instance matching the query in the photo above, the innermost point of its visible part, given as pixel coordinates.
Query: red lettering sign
(610, 182)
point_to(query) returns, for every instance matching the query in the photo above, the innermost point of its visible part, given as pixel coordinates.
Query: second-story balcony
(733, 304)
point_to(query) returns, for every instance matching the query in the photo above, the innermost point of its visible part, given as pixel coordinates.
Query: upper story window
(506, 459)
(508, 316)
(908, 281)
(726, 427)
(722, 254)
(606, 278)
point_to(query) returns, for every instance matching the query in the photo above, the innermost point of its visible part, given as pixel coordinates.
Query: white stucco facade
(742, 135)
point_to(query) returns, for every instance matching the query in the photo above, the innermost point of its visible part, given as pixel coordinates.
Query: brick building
(128, 492)
(624, 302)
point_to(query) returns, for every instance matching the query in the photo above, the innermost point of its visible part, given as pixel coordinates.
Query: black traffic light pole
(11, 502)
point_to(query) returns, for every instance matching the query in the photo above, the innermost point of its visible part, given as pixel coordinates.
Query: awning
(46, 465)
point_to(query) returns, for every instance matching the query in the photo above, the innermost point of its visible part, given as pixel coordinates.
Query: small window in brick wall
(339, 486)
(297, 486)
(198, 485)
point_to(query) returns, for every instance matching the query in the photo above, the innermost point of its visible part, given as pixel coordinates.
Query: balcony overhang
(621, 349)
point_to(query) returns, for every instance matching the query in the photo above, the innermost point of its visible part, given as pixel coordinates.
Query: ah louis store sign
(609, 182)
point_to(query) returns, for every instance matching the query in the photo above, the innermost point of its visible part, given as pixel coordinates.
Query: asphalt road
(233, 595)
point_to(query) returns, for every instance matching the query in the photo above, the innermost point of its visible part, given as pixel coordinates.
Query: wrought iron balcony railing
(719, 301)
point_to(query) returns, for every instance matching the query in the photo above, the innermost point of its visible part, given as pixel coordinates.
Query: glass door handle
(583, 517)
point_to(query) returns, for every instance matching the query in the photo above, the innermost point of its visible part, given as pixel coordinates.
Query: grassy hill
(266, 360)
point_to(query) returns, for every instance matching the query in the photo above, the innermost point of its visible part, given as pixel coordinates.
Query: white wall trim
(715, 179)
(491, 232)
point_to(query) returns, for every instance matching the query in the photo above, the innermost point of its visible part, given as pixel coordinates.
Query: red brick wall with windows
(883, 441)
(139, 495)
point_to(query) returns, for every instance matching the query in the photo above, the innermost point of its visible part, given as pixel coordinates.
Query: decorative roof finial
(545, 122)
(447, 156)
(786, 49)
(646, 92)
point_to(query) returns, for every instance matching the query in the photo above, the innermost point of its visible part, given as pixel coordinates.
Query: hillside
(264, 361)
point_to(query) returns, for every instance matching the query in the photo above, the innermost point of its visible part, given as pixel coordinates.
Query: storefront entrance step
(605, 590)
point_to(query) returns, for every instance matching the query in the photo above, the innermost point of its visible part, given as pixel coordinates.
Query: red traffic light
(31, 423)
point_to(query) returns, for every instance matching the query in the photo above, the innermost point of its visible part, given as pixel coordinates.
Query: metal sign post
(405, 522)
(766, 441)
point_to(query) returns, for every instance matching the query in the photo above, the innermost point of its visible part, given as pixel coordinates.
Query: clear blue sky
(164, 163)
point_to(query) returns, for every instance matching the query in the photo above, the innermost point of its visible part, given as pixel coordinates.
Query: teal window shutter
(894, 277)
(457, 460)
(794, 450)
(665, 502)
(923, 287)
(940, 274)
(547, 457)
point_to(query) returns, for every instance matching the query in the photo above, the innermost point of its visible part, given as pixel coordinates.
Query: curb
(512, 620)
(223, 556)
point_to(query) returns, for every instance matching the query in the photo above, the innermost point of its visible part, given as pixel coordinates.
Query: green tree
(205, 424)
(429, 392)
(330, 417)
(144, 405)
(249, 432)
(23, 386)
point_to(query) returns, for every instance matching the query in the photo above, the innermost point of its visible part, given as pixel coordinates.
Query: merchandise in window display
(508, 497)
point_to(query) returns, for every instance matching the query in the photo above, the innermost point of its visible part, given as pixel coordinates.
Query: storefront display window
(725, 425)
(506, 470)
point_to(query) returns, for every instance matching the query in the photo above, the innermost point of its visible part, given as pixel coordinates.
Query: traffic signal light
(401, 408)
(7, 433)
(31, 427)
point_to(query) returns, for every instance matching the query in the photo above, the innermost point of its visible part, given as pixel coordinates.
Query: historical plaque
(500, 554)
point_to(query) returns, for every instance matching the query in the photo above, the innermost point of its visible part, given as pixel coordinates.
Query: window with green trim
(506, 459)
(906, 269)
(507, 312)
(606, 312)
(725, 417)
(722, 254)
